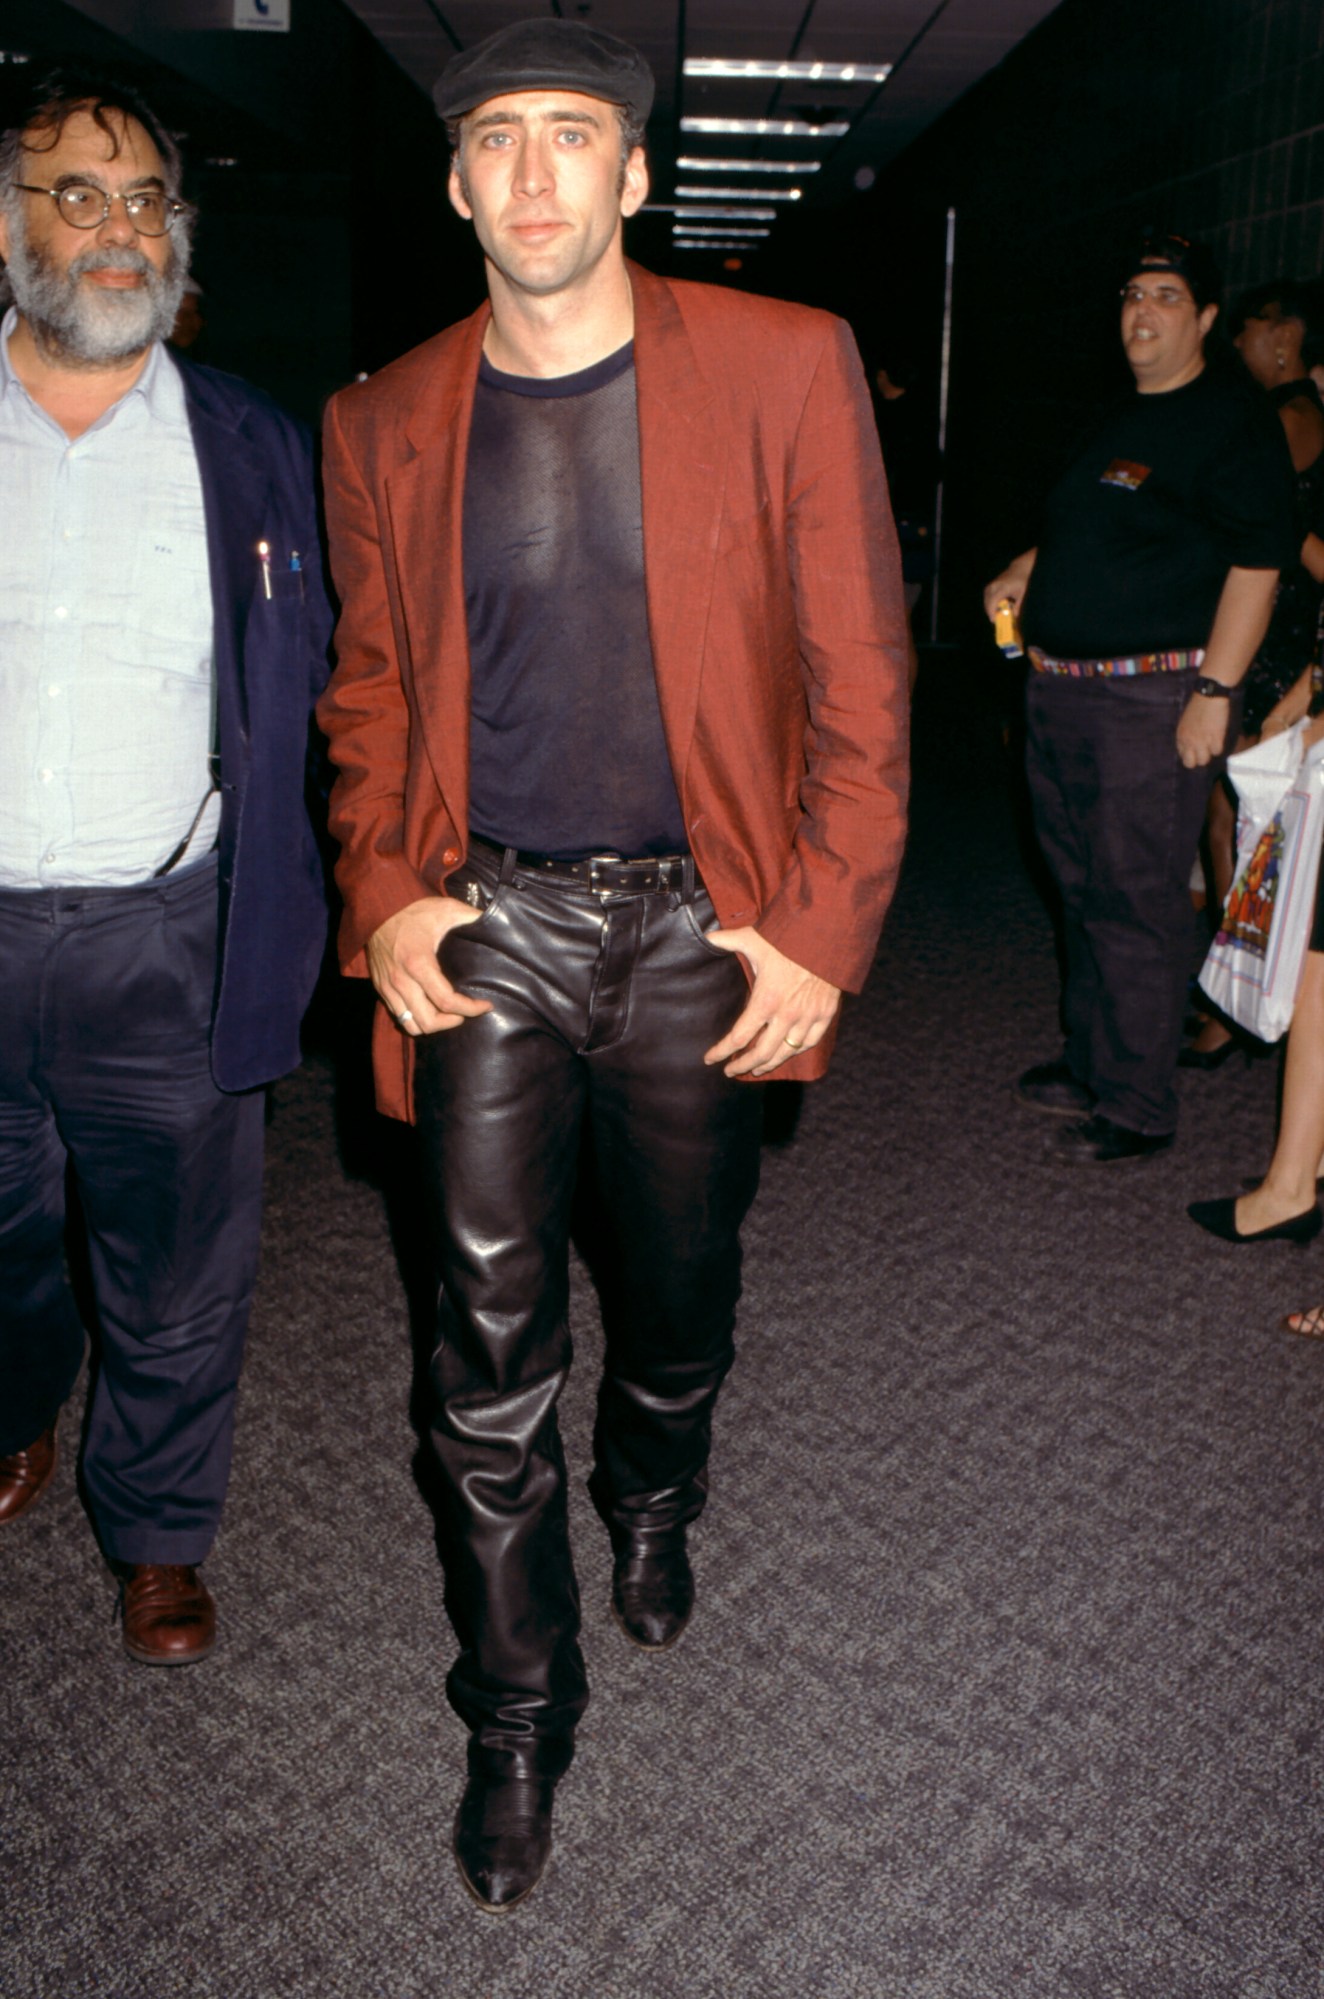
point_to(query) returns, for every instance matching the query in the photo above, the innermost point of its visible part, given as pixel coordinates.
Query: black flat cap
(545, 55)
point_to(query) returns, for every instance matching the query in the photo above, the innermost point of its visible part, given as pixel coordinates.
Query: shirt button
(49, 858)
(450, 857)
(61, 611)
(53, 690)
(45, 775)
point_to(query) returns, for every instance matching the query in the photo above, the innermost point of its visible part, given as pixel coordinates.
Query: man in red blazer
(619, 720)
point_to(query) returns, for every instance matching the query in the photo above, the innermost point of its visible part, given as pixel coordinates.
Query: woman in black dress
(1276, 331)
(1279, 340)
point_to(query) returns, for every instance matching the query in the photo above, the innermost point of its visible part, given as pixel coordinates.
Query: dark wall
(1205, 116)
(331, 248)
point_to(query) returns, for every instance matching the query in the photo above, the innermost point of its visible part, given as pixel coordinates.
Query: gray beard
(81, 326)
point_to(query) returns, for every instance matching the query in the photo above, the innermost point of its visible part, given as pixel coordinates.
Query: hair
(631, 124)
(1291, 300)
(108, 98)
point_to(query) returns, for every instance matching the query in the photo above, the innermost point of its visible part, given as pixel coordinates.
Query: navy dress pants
(603, 1007)
(105, 1020)
(1119, 817)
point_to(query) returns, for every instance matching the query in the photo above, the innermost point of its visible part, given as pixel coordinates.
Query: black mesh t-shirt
(567, 755)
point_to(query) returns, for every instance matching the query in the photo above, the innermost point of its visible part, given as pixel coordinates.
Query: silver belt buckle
(596, 861)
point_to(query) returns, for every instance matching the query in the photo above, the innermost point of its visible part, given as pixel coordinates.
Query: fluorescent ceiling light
(711, 214)
(813, 72)
(725, 235)
(697, 166)
(768, 128)
(679, 243)
(741, 193)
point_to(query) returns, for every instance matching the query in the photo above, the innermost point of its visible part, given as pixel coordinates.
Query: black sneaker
(1100, 1142)
(1051, 1087)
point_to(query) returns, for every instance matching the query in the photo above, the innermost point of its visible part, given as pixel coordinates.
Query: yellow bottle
(1006, 630)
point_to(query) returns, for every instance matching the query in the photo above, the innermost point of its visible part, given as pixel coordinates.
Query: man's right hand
(1011, 585)
(403, 966)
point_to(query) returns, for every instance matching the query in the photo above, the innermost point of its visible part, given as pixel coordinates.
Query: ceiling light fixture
(813, 72)
(741, 193)
(768, 128)
(697, 166)
(711, 214)
(681, 230)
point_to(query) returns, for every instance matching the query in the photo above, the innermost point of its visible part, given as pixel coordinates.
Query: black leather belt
(604, 873)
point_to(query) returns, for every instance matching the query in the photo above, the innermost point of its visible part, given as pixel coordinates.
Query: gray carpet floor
(1006, 1674)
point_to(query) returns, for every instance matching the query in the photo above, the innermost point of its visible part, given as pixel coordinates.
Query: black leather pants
(603, 1007)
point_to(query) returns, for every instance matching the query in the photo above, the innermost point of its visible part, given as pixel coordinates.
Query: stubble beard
(87, 327)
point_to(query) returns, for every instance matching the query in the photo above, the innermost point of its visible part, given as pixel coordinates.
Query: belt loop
(687, 878)
(509, 862)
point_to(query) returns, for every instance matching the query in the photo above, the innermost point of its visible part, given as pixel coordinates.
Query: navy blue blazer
(271, 662)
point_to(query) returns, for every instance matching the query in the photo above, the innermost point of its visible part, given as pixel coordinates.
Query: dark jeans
(1118, 817)
(604, 1005)
(105, 1018)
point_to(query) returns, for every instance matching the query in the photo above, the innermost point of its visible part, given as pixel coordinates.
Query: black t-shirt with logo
(1169, 492)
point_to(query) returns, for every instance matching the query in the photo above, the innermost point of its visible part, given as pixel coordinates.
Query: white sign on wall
(273, 15)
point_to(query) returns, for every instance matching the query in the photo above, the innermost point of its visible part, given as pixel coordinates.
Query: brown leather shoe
(25, 1475)
(169, 1615)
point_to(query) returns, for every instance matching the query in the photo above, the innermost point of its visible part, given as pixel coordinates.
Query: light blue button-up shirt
(106, 682)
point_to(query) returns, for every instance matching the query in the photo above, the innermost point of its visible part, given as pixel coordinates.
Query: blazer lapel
(683, 465)
(425, 501)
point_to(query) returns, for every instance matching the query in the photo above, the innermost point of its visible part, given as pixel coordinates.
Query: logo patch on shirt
(1123, 473)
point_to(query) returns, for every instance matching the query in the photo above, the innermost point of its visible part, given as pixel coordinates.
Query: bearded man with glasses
(1141, 607)
(163, 634)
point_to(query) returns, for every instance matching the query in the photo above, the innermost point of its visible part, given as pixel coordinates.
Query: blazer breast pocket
(282, 586)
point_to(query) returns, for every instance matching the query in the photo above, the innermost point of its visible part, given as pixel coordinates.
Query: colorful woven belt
(1116, 669)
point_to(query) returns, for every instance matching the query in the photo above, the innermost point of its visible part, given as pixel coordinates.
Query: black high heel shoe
(1209, 1059)
(1220, 1219)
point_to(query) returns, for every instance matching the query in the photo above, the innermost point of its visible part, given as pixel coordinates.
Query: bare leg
(1223, 835)
(1221, 829)
(1289, 1185)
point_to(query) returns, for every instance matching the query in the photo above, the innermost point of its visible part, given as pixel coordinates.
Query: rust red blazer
(775, 611)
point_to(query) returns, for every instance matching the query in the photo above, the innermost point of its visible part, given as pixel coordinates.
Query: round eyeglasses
(85, 206)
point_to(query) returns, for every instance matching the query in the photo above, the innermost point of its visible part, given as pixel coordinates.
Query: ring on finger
(405, 1017)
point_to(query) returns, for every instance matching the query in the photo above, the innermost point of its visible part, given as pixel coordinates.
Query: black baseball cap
(1160, 251)
(545, 55)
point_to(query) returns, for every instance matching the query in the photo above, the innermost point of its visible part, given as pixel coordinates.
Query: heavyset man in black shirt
(1141, 608)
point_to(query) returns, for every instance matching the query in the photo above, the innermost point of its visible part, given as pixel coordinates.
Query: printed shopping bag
(1254, 965)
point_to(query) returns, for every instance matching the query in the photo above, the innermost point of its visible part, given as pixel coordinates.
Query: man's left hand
(1202, 730)
(788, 1010)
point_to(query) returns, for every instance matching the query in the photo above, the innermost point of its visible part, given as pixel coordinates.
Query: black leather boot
(503, 1829)
(652, 1591)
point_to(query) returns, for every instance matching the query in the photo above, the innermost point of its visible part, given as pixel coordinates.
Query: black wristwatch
(1213, 688)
